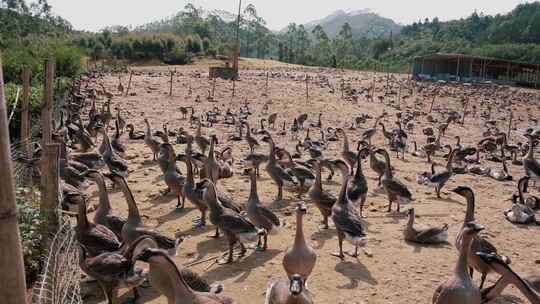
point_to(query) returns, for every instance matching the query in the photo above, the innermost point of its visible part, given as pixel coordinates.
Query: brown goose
(530, 200)
(292, 291)
(113, 161)
(376, 165)
(322, 199)
(531, 165)
(134, 135)
(104, 214)
(348, 223)
(460, 289)
(200, 140)
(194, 196)
(276, 172)
(211, 167)
(301, 258)
(95, 238)
(424, 234)
(479, 244)
(358, 188)
(259, 215)
(175, 182)
(171, 283)
(150, 141)
(347, 155)
(252, 141)
(113, 270)
(438, 180)
(134, 228)
(236, 228)
(395, 189)
(529, 285)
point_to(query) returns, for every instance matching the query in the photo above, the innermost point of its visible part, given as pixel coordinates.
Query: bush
(29, 226)
(177, 56)
(194, 44)
(68, 61)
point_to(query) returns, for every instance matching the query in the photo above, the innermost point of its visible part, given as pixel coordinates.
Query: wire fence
(59, 280)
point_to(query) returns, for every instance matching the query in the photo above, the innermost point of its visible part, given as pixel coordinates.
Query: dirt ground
(388, 270)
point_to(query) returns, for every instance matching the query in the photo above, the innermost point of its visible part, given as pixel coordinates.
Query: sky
(95, 14)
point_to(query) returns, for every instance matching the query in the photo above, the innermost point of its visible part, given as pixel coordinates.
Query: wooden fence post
(170, 87)
(213, 87)
(510, 124)
(49, 159)
(25, 120)
(233, 87)
(266, 86)
(46, 106)
(129, 82)
(49, 190)
(12, 285)
(307, 88)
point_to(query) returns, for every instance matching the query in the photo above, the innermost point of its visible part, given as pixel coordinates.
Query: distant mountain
(363, 23)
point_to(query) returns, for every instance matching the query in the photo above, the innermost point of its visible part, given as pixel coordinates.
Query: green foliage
(177, 55)
(194, 44)
(29, 226)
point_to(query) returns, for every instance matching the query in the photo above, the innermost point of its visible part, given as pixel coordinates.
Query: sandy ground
(388, 270)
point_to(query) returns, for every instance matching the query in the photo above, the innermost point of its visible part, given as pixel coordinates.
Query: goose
(150, 141)
(120, 120)
(319, 122)
(348, 223)
(238, 135)
(531, 165)
(303, 175)
(395, 189)
(95, 238)
(113, 270)
(252, 141)
(529, 285)
(106, 113)
(530, 200)
(438, 180)
(283, 132)
(300, 258)
(71, 197)
(323, 200)
(262, 130)
(255, 160)
(368, 134)
(113, 161)
(424, 234)
(272, 120)
(520, 213)
(104, 214)
(418, 152)
(500, 175)
(134, 135)
(175, 182)
(301, 119)
(93, 160)
(460, 289)
(358, 187)
(259, 215)
(168, 279)
(116, 143)
(388, 135)
(280, 177)
(479, 243)
(195, 197)
(378, 166)
(236, 228)
(211, 167)
(134, 228)
(292, 291)
(348, 155)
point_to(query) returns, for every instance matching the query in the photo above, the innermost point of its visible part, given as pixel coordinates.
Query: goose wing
(99, 239)
(236, 224)
(440, 177)
(268, 214)
(429, 234)
(163, 241)
(107, 264)
(397, 187)
(229, 203)
(349, 222)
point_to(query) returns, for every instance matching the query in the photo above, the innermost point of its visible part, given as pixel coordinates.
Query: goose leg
(200, 222)
(483, 280)
(180, 204)
(216, 235)
(324, 222)
(379, 184)
(355, 253)
(340, 253)
(471, 272)
(389, 206)
(438, 190)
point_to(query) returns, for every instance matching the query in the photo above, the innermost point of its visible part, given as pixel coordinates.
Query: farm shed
(467, 68)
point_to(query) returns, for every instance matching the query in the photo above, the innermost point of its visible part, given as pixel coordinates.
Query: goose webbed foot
(180, 204)
(216, 235)
(199, 223)
(338, 255)
(353, 254)
(164, 192)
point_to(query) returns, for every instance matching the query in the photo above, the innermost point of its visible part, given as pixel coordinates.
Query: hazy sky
(95, 14)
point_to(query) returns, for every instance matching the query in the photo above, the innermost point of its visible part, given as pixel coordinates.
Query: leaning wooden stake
(432, 102)
(129, 82)
(213, 87)
(465, 112)
(25, 119)
(12, 284)
(266, 86)
(49, 191)
(233, 87)
(342, 87)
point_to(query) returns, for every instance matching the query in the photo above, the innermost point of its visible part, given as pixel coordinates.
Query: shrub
(177, 56)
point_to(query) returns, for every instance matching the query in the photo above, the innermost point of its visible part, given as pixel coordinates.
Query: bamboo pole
(465, 112)
(432, 102)
(510, 124)
(266, 85)
(129, 82)
(25, 120)
(213, 87)
(12, 284)
(233, 87)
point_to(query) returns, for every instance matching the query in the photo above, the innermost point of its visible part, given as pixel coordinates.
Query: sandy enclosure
(388, 270)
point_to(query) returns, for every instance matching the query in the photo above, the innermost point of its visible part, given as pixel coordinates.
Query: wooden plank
(12, 284)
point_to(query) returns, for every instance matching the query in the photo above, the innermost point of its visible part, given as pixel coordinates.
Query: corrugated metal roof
(462, 56)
